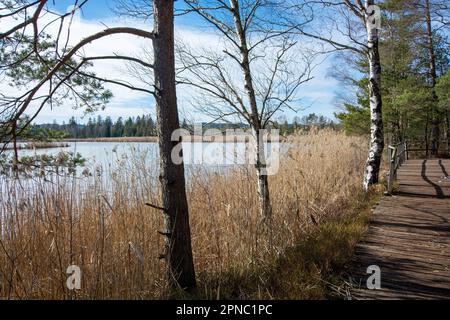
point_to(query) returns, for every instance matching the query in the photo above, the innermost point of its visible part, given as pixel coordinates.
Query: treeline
(141, 126)
(145, 126)
(305, 123)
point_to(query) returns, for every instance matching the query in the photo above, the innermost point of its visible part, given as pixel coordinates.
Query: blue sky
(103, 9)
(317, 96)
(93, 9)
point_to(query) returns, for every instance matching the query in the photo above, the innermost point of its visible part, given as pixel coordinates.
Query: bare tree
(251, 76)
(45, 71)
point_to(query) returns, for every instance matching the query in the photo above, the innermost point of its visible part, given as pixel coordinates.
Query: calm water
(138, 160)
(207, 155)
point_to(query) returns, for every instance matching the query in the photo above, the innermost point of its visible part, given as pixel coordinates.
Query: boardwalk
(409, 237)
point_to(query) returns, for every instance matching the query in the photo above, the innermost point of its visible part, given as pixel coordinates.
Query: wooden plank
(409, 237)
(364, 294)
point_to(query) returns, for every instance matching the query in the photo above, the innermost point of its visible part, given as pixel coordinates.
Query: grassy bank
(315, 268)
(101, 224)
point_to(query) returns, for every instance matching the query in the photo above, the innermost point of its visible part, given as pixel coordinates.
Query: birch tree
(254, 74)
(45, 70)
(352, 25)
(372, 171)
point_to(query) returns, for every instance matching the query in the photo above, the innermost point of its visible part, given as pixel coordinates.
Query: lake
(214, 156)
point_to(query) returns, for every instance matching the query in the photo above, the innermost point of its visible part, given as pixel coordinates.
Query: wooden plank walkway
(409, 237)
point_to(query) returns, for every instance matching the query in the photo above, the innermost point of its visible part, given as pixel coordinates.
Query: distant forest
(145, 126)
(141, 126)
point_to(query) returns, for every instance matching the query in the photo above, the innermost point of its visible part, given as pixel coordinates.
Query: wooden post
(406, 151)
(391, 171)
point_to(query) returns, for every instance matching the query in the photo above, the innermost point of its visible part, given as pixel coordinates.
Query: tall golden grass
(104, 227)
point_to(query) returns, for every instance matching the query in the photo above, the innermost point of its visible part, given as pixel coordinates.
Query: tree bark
(178, 255)
(436, 118)
(427, 142)
(448, 132)
(373, 163)
(265, 207)
(262, 179)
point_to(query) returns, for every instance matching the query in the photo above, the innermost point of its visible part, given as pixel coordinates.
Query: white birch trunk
(261, 174)
(265, 207)
(372, 169)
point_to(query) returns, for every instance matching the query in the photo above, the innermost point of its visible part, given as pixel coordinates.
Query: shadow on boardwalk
(409, 237)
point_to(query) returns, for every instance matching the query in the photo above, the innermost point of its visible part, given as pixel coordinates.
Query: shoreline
(37, 145)
(219, 138)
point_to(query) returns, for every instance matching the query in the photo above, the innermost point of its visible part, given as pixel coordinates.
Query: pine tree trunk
(447, 117)
(178, 255)
(427, 142)
(373, 163)
(436, 117)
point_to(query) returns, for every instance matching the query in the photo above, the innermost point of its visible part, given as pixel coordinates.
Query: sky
(318, 95)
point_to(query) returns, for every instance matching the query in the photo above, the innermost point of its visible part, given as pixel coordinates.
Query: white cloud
(126, 103)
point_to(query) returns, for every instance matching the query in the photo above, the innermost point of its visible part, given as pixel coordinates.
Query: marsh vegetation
(102, 224)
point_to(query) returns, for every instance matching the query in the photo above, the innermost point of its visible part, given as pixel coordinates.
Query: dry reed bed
(103, 225)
